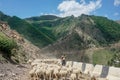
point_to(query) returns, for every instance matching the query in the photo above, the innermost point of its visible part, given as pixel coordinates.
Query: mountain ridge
(69, 35)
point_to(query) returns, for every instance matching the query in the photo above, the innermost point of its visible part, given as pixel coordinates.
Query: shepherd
(63, 60)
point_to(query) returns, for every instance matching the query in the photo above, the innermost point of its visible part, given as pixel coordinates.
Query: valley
(87, 39)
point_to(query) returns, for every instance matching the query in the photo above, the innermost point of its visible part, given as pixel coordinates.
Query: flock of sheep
(51, 69)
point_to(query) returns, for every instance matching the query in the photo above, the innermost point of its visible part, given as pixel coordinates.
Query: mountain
(80, 38)
(74, 36)
(118, 21)
(42, 18)
(83, 33)
(14, 48)
(27, 30)
(93, 29)
(48, 29)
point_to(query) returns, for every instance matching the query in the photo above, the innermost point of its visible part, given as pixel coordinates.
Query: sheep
(102, 79)
(49, 73)
(37, 64)
(77, 71)
(56, 71)
(69, 64)
(34, 64)
(73, 76)
(93, 78)
(57, 62)
(63, 73)
(54, 61)
(89, 68)
(49, 69)
(32, 74)
(38, 60)
(69, 70)
(40, 72)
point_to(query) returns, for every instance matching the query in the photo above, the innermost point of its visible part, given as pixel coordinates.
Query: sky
(62, 8)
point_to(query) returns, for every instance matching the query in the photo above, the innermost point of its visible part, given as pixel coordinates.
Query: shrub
(6, 44)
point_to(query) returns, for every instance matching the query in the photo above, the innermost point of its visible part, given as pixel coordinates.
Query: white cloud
(116, 14)
(49, 14)
(106, 15)
(116, 2)
(72, 7)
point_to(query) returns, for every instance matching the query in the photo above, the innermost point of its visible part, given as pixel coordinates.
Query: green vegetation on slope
(56, 28)
(6, 44)
(109, 28)
(30, 32)
(47, 29)
(102, 56)
(110, 56)
(60, 27)
(3, 17)
(10, 51)
(42, 18)
(115, 61)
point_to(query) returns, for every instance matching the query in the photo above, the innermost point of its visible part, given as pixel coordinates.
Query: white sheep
(73, 76)
(49, 72)
(102, 79)
(40, 72)
(69, 70)
(32, 74)
(77, 71)
(56, 71)
(69, 63)
(56, 74)
(50, 69)
(63, 73)
(89, 68)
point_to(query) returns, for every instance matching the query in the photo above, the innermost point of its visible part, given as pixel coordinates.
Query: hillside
(84, 35)
(14, 48)
(73, 36)
(100, 29)
(27, 30)
(118, 21)
(48, 29)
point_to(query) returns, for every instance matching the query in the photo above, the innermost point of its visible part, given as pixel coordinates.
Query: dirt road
(10, 71)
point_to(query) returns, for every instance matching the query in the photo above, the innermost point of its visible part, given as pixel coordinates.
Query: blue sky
(63, 8)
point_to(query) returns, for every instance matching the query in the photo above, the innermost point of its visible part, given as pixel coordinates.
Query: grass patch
(102, 57)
